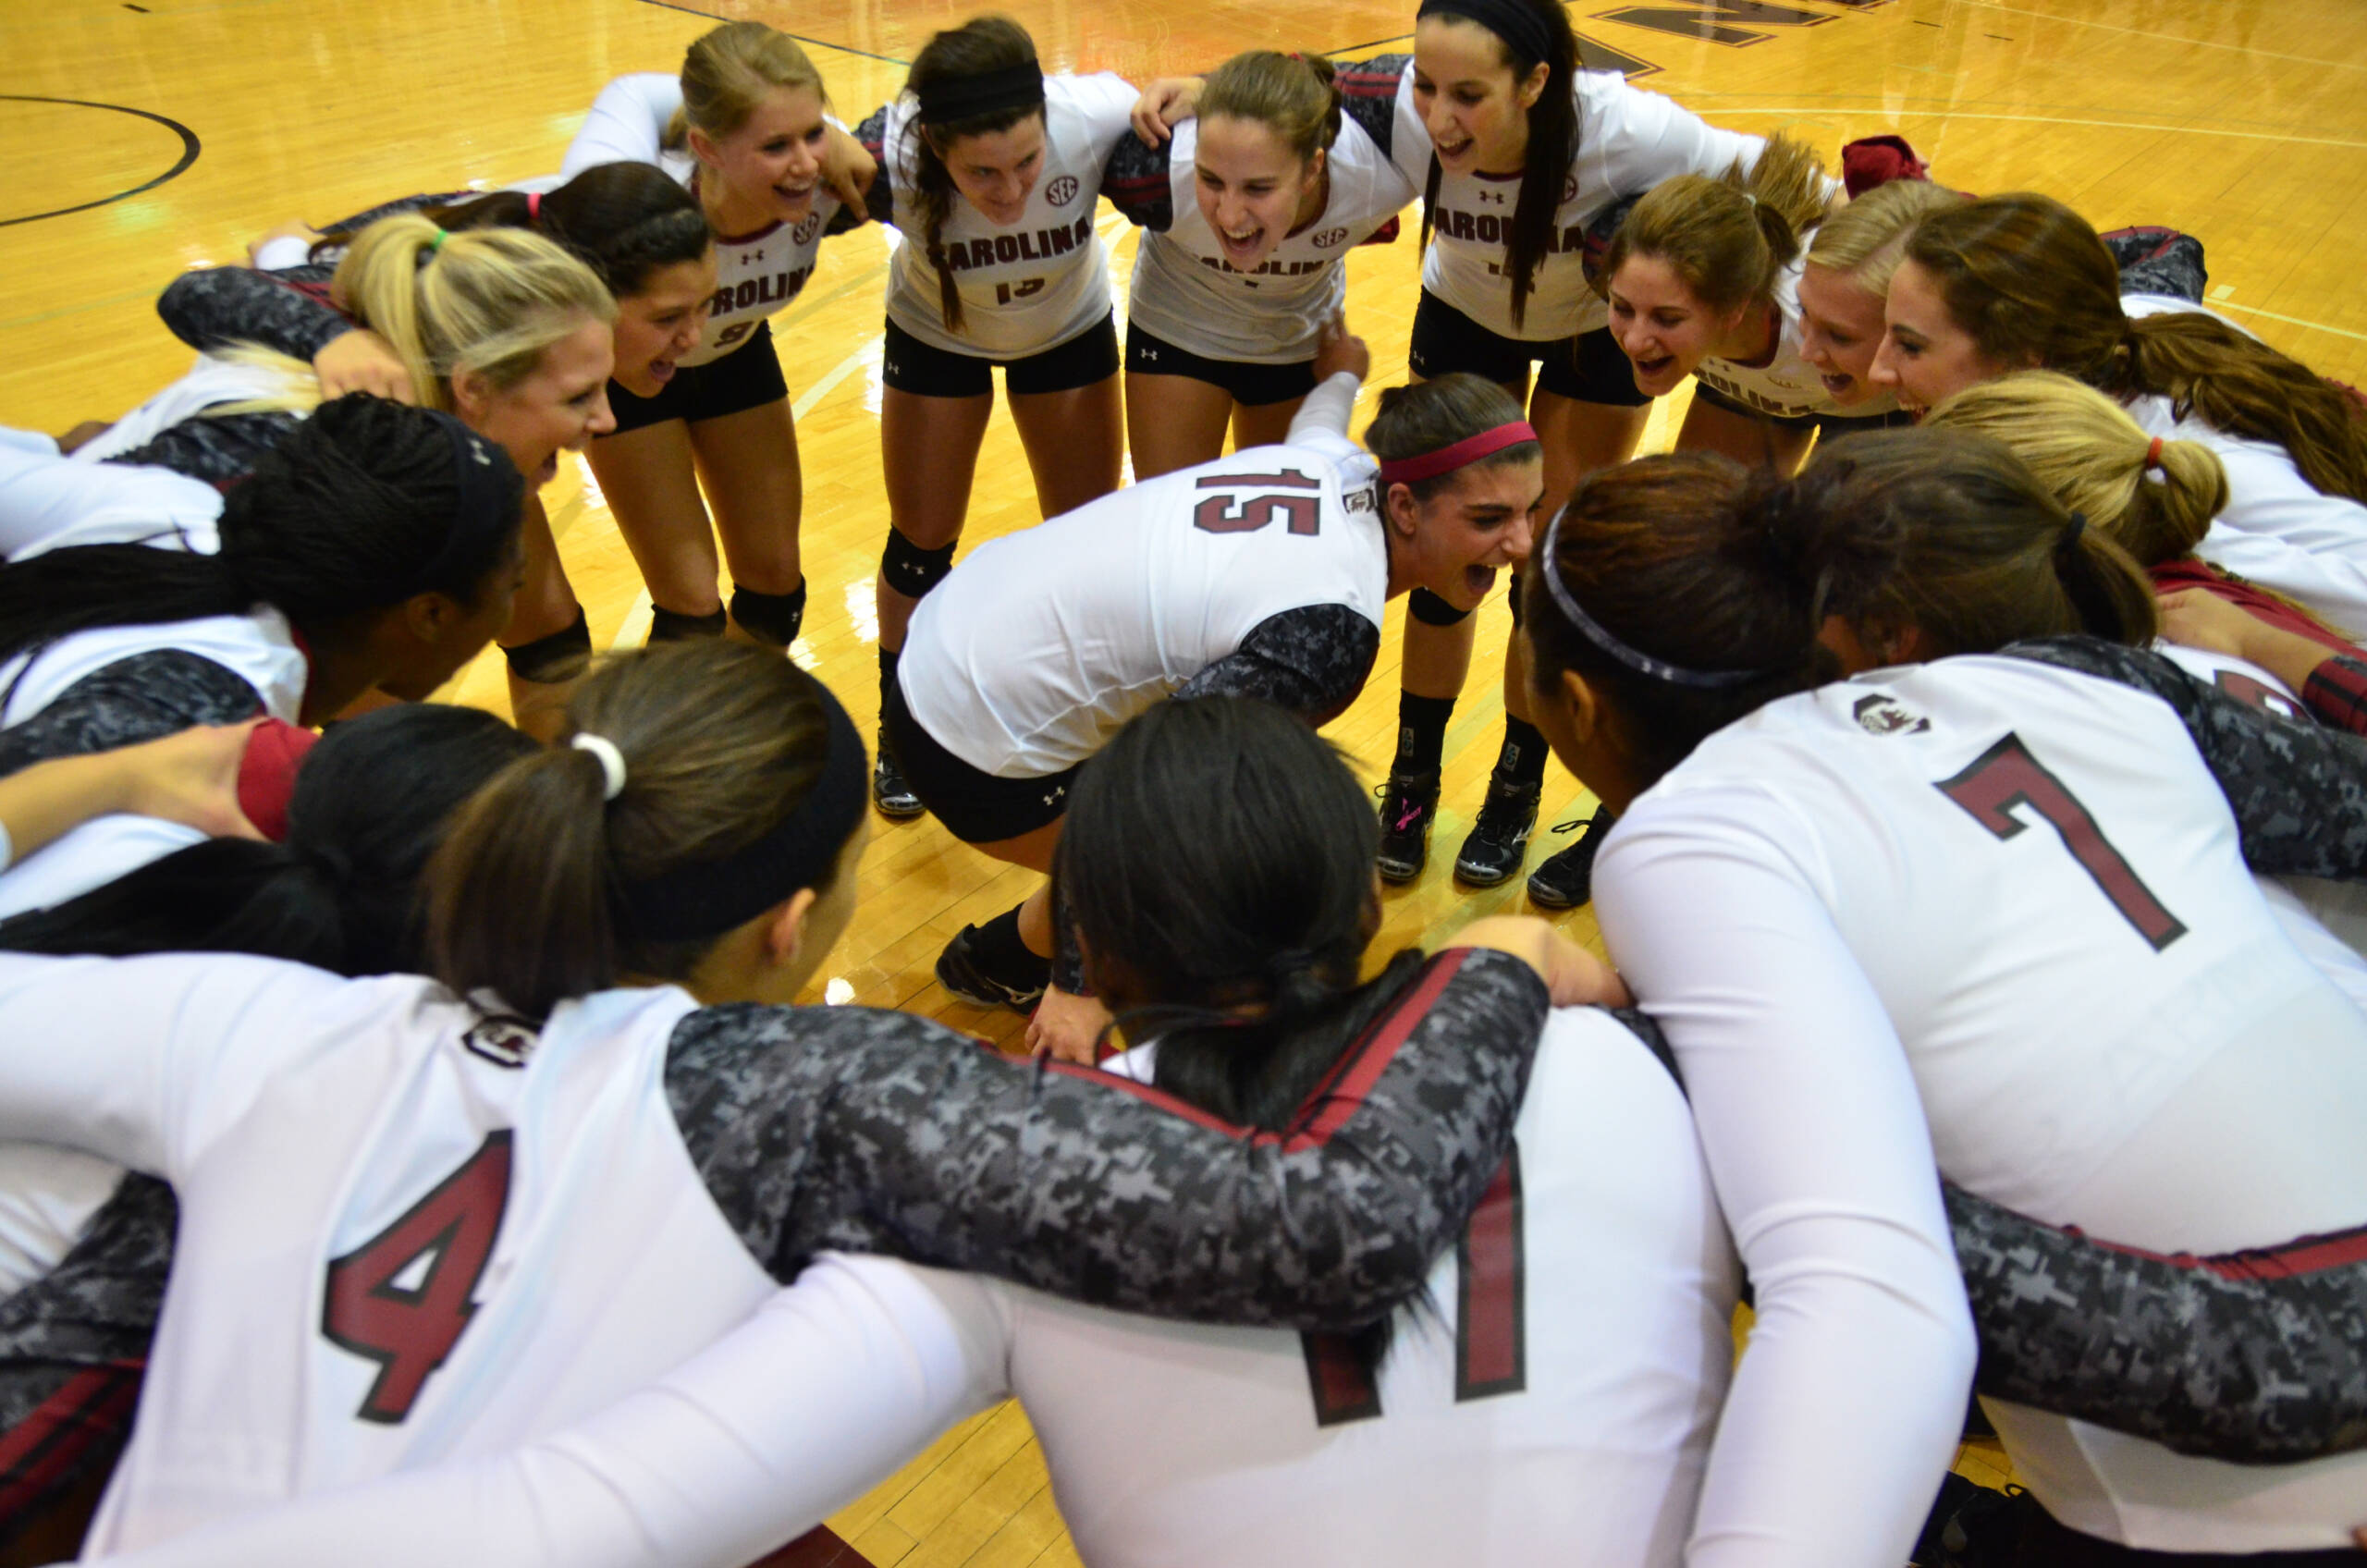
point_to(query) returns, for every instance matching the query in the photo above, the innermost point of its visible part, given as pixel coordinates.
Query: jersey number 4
(403, 1297)
(1225, 514)
(2005, 776)
(1491, 1317)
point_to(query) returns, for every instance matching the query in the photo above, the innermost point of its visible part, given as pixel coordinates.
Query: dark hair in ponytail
(341, 893)
(722, 742)
(623, 220)
(1216, 863)
(1692, 559)
(977, 46)
(1552, 146)
(360, 509)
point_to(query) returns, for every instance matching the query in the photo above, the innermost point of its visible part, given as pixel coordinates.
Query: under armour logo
(1495, 196)
(756, 256)
(1058, 791)
(1150, 353)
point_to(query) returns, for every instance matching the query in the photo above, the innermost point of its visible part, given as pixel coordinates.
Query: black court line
(190, 149)
(816, 42)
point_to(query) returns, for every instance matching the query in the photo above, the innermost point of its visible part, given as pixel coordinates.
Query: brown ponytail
(2030, 281)
(1431, 415)
(1292, 95)
(1727, 238)
(728, 71)
(722, 743)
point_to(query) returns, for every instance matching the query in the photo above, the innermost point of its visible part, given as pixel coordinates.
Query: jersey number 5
(1223, 514)
(2006, 776)
(403, 1297)
(1491, 1317)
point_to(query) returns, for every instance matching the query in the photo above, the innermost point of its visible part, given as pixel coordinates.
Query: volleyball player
(191, 776)
(1845, 277)
(1251, 208)
(744, 130)
(504, 328)
(1264, 574)
(2099, 1019)
(376, 547)
(698, 835)
(2019, 282)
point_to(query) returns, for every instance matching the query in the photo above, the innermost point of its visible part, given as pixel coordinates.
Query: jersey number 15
(1225, 514)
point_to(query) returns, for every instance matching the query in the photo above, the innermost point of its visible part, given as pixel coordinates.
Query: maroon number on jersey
(2006, 776)
(1221, 514)
(1491, 1317)
(408, 1329)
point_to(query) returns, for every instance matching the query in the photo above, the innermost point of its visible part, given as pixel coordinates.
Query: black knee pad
(1431, 610)
(673, 626)
(562, 656)
(912, 570)
(770, 617)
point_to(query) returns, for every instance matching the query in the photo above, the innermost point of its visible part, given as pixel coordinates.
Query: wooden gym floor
(137, 139)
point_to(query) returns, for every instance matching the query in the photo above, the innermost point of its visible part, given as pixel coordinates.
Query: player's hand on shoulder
(82, 435)
(1165, 104)
(361, 360)
(847, 169)
(190, 777)
(1573, 976)
(1337, 348)
(2197, 618)
(1067, 1027)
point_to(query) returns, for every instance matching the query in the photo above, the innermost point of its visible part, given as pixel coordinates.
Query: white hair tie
(612, 763)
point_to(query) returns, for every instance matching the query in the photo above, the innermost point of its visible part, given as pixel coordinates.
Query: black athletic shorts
(976, 807)
(1251, 386)
(927, 371)
(748, 377)
(1829, 427)
(1588, 368)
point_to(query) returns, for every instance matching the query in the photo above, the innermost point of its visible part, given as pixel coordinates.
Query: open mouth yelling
(1242, 250)
(1839, 386)
(1481, 579)
(1658, 372)
(547, 470)
(661, 370)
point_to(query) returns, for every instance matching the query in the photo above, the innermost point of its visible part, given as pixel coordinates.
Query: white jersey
(1628, 141)
(1041, 645)
(2278, 529)
(357, 1186)
(1187, 293)
(1786, 386)
(2033, 880)
(51, 502)
(756, 275)
(1029, 286)
(209, 382)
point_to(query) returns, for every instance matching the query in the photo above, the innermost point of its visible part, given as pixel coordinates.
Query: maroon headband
(1446, 460)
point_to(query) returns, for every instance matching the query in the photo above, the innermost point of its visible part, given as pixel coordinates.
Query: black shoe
(1499, 839)
(962, 969)
(889, 791)
(1972, 1526)
(1567, 879)
(1407, 807)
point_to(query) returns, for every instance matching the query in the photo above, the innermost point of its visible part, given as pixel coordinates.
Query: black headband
(1508, 19)
(982, 93)
(1600, 636)
(481, 514)
(708, 898)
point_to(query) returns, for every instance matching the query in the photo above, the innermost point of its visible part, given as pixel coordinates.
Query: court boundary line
(2165, 37)
(190, 147)
(816, 42)
(1945, 113)
(2290, 321)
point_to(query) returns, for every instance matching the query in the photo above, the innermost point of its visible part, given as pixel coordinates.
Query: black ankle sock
(1523, 759)
(887, 675)
(1421, 732)
(1001, 952)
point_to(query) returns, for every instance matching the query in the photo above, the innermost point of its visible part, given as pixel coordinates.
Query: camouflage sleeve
(1368, 95)
(880, 1132)
(73, 1346)
(2251, 1358)
(1312, 660)
(2159, 261)
(217, 449)
(879, 201)
(2336, 693)
(1138, 183)
(140, 698)
(2299, 790)
(218, 306)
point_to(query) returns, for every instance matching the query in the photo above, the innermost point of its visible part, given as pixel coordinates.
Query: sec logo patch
(1329, 238)
(1061, 191)
(1570, 187)
(806, 229)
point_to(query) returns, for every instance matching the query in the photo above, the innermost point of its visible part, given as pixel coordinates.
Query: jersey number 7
(2006, 776)
(403, 1297)
(1491, 1317)
(1223, 514)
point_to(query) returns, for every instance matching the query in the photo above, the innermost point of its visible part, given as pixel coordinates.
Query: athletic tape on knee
(912, 570)
(673, 626)
(1431, 610)
(562, 656)
(770, 617)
